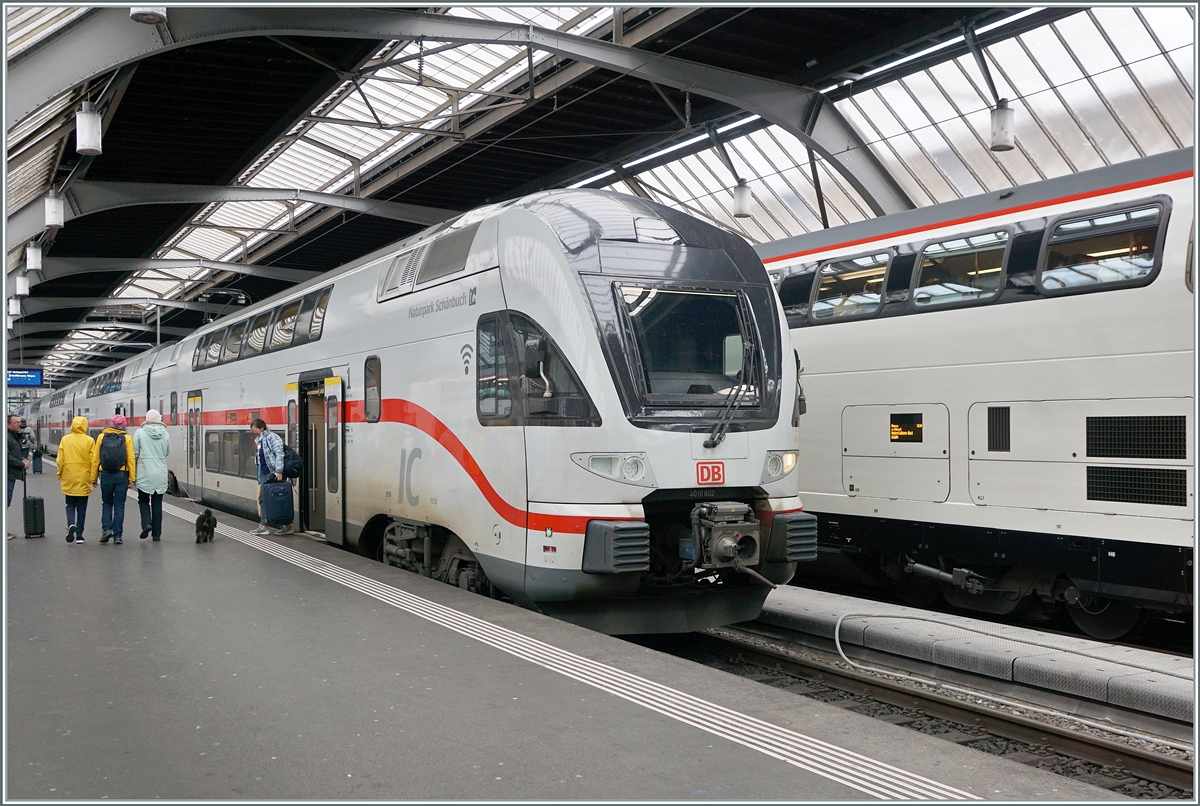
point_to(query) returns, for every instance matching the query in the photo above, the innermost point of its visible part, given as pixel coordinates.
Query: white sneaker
(261, 530)
(284, 530)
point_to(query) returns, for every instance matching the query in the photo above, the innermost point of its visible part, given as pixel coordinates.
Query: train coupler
(959, 577)
(724, 535)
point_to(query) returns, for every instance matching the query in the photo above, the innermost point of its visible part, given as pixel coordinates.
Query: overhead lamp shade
(87, 129)
(33, 258)
(54, 209)
(9, 322)
(149, 15)
(741, 200)
(21, 285)
(1002, 126)
(14, 306)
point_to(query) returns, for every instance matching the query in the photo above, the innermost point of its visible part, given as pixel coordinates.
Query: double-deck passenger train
(580, 400)
(1000, 395)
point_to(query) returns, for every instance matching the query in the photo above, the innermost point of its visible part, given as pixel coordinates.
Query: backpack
(112, 452)
(291, 462)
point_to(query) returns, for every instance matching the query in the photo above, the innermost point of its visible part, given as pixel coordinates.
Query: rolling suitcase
(277, 508)
(35, 513)
(37, 461)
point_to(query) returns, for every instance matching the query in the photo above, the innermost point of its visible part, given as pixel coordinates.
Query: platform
(1139, 679)
(285, 668)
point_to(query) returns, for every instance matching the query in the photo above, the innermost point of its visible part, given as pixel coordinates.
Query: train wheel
(1109, 619)
(917, 591)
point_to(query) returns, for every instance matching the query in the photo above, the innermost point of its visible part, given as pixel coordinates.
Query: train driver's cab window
(850, 287)
(960, 270)
(1115, 247)
(689, 344)
(795, 291)
(256, 336)
(494, 398)
(550, 392)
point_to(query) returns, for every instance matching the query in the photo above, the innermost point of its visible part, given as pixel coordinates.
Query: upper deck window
(961, 270)
(1105, 248)
(850, 287)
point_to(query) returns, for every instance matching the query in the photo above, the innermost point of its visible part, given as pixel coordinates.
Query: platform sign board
(25, 378)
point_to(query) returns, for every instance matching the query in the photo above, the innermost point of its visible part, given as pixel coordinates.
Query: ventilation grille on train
(999, 433)
(1137, 437)
(802, 538)
(1138, 485)
(414, 263)
(616, 547)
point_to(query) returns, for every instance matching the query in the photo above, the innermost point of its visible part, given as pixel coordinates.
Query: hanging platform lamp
(741, 200)
(87, 130)
(21, 285)
(14, 307)
(1002, 126)
(33, 258)
(54, 209)
(149, 15)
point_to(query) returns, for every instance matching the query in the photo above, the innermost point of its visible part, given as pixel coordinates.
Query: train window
(256, 337)
(201, 351)
(250, 466)
(964, 269)
(552, 394)
(174, 408)
(293, 428)
(304, 319)
(795, 290)
(1114, 247)
(332, 429)
(494, 400)
(448, 254)
(371, 383)
(679, 338)
(850, 287)
(285, 326)
(231, 453)
(233, 344)
(318, 316)
(212, 451)
(213, 356)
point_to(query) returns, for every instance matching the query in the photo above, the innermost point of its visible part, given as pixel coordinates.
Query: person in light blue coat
(151, 446)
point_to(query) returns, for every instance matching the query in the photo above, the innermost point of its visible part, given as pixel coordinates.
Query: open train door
(334, 443)
(292, 438)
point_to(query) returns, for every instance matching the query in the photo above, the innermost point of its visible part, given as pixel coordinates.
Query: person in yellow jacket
(75, 475)
(116, 471)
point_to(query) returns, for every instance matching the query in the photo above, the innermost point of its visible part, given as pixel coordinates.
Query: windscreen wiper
(748, 354)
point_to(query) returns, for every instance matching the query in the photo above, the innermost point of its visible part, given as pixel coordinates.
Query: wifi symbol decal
(465, 352)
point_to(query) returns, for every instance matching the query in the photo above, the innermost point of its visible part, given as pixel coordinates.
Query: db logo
(710, 473)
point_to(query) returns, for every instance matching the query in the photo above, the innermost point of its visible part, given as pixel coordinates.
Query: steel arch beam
(24, 328)
(108, 39)
(54, 268)
(84, 198)
(32, 305)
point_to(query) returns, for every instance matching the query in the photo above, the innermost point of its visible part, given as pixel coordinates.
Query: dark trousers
(77, 511)
(113, 489)
(12, 483)
(150, 505)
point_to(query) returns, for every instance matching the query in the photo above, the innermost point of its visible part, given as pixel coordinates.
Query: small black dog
(206, 526)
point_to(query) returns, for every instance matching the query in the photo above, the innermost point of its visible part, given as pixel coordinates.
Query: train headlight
(778, 465)
(633, 469)
(627, 468)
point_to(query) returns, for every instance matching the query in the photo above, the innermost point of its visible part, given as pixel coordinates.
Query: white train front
(583, 401)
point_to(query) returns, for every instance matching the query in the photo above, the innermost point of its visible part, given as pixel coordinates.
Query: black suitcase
(37, 461)
(277, 506)
(35, 514)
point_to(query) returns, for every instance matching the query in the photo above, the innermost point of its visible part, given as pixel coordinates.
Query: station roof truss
(246, 150)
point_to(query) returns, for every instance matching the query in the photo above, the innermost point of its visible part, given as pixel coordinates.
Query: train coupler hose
(959, 578)
(741, 569)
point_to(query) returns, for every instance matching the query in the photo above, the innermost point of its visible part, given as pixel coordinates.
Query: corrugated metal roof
(25, 26)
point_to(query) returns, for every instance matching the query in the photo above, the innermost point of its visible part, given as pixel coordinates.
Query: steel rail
(1155, 767)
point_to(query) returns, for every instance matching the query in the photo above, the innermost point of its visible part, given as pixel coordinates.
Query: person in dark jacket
(17, 464)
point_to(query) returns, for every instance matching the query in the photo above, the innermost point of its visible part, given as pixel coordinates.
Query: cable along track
(1113, 764)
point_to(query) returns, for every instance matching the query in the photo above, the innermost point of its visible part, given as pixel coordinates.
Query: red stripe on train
(981, 216)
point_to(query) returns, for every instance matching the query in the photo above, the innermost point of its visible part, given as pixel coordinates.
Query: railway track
(1136, 768)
